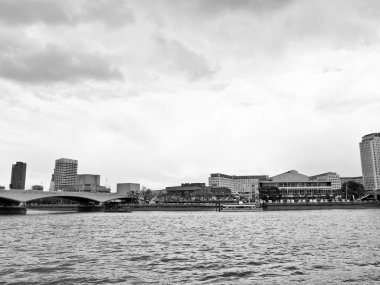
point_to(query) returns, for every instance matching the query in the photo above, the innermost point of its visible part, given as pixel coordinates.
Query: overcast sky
(167, 92)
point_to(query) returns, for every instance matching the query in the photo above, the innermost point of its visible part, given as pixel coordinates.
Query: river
(306, 247)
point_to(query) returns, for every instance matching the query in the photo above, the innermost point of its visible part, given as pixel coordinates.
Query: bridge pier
(91, 208)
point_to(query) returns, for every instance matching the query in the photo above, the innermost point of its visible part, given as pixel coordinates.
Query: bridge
(21, 197)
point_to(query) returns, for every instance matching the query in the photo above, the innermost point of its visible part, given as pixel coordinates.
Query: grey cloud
(52, 64)
(212, 6)
(54, 12)
(206, 8)
(28, 11)
(176, 57)
(113, 13)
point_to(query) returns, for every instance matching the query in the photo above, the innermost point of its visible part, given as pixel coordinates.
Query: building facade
(65, 173)
(37, 188)
(86, 183)
(293, 184)
(370, 161)
(18, 176)
(333, 177)
(197, 192)
(127, 188)
(246, 187)
(357, 179)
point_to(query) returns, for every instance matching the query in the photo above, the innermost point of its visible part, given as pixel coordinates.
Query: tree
(270, 193)
(146, 194)
(353, 189)
(135, 195)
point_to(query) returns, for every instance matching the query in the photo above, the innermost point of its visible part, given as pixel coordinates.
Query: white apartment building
(333, 177)
(65, 173)
(244, 186)
(370, 160)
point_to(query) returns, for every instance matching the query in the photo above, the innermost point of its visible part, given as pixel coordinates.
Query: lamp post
(346, 190)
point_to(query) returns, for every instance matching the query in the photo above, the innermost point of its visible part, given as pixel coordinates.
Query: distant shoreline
(203, 207)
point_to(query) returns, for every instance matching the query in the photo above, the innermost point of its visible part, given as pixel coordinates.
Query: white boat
(241, 208)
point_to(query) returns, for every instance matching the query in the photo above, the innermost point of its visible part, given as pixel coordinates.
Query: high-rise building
(18, 176)
(65, 173)
(370, 159)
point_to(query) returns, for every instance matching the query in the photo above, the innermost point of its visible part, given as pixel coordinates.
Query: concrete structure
(18, 176)
(357, 179)
(127, 188)
(197, 191)
(370, 160)
(37, 188)
(245, 186)
(23, 196)
(86, 183)
(65, 173)
(294, 184)
(333, 177)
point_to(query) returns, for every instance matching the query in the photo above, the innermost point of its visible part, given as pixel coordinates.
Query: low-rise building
(197, 192)
(246, 186)
(37, 188)
(357, 179)
(127, 188)
(329, 176)
(86, 183)
(293, 184)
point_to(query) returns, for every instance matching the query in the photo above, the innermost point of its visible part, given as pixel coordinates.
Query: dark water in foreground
(308, 247)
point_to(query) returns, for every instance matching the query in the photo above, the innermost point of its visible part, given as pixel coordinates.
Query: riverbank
(174, 207)
(299, 206)
(12, 210)
(54, 207)
(320, 206)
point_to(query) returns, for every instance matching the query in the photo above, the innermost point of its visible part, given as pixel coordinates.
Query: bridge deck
(30, 195)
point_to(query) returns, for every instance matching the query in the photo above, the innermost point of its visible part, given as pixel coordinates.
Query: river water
(307, 247)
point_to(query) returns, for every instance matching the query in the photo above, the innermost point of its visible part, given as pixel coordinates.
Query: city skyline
(70, 166)
(166, 92)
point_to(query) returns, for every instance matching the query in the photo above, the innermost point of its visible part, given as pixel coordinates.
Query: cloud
(54, 12)
(256, 6)
(176, 57)
(54, 64)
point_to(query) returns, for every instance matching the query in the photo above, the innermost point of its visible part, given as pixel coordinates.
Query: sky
(166, 92)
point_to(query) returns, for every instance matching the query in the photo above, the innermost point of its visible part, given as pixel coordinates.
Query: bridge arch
(29, 195)
(77, 199)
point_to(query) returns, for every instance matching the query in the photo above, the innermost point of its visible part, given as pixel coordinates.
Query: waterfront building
(333, 177)
(127, 188)
(246, 186)
(86, 183)
(197, 192)
(293, 184)
(357, 179)
(18, 176)
(65, 173)
(37, 188)
(370, 161)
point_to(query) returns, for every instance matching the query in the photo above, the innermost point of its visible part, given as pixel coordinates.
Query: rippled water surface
(308, 247)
